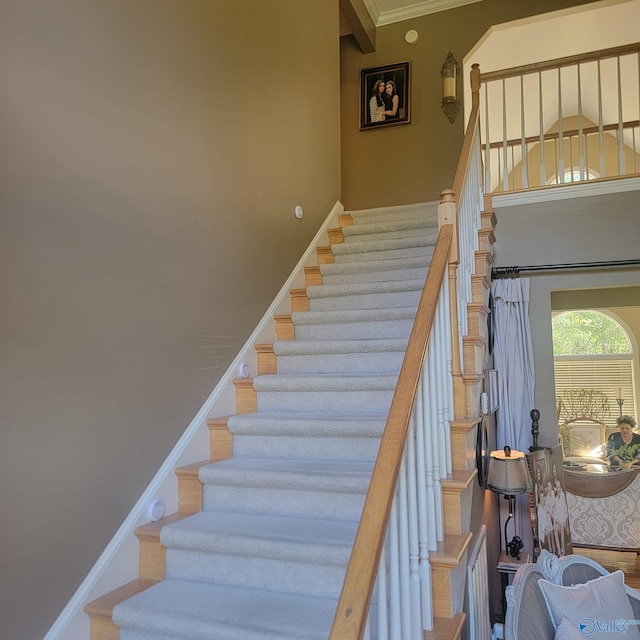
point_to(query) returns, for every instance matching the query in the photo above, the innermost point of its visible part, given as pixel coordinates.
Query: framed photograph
(548, 503)
(384, 96)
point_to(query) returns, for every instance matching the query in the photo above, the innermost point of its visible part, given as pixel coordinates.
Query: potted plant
(625, 455)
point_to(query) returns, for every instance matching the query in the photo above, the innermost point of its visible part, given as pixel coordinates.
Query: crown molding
(416, 10)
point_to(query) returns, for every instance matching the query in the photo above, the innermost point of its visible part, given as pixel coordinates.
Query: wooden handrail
(353, 607)
(567, 61)
(474, 121)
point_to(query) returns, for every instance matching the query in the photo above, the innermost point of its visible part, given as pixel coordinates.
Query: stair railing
(402, 519)
(572, 119)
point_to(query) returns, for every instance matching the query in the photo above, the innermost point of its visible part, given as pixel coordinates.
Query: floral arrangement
(625, 452)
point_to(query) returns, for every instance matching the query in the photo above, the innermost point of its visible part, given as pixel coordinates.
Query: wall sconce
(450, 101)
(509, 475)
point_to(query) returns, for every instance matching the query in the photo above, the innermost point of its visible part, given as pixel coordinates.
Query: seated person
(624, 445)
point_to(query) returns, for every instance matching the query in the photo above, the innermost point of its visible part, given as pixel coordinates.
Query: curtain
(513, 358)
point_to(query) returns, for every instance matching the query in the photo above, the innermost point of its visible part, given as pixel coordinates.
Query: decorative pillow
(599, 608)
(566, 631)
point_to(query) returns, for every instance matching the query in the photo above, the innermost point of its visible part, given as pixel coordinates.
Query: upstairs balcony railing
(567, 120)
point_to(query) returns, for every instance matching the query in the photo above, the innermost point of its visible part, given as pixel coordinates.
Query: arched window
(593, 362)
(573, 175)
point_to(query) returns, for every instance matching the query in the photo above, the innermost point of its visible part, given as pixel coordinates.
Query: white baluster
(543, 170)
(403, 550)
(487, 137)
(414, 540)
(581, 145)
(561, 163)
(523, 137)
(394, 575)
(505, 156)
(600, 125)
(427, 532)
(621, 154)
(383, 596)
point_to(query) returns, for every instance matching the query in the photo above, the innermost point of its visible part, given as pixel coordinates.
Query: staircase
(265, 529)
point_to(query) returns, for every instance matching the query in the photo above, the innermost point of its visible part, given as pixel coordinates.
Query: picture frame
(548, 502)
(374, 101)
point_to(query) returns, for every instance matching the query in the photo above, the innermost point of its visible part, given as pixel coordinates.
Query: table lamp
(509, 475)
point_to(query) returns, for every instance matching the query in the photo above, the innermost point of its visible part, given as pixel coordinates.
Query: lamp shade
(508, 472)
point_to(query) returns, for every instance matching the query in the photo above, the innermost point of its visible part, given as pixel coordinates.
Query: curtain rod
(509, 272)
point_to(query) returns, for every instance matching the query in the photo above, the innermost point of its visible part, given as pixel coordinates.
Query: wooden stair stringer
(456, 497)
(151, 552)
(446, 628)
(445, 561)
(100, 610)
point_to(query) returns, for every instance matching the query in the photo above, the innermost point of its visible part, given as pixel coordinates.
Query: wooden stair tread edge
(459, 480)
(104, 605)
(191, 469)
(264, 348)
(450, 551)
(475, 340)
(478, 307)
(151, 530)
(218, 423)
(243, 382)
(446, 628)
(465, 424)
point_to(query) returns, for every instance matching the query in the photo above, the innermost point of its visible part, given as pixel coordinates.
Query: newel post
(447, 214)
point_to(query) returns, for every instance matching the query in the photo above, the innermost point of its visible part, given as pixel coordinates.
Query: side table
(506, 567)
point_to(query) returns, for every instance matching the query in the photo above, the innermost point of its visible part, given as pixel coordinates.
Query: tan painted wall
(152, 154)
(415, 162)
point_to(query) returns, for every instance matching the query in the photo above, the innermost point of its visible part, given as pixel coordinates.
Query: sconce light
(509, 475)
(450, 101)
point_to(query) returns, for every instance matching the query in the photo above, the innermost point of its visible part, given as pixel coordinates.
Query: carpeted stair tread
(371, 355)
(375, 266)
(365, 345)
(365, 250)
(395, 229)
(391, 322)
(380, 276)
(181, 610)
(294, 539)
(313, 425)
(344, 382)
(277, 473)
(346, 316)
(394, 213)
(308, 436)
(366, 288)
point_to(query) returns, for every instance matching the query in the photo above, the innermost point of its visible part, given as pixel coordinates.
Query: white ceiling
(387, 11)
